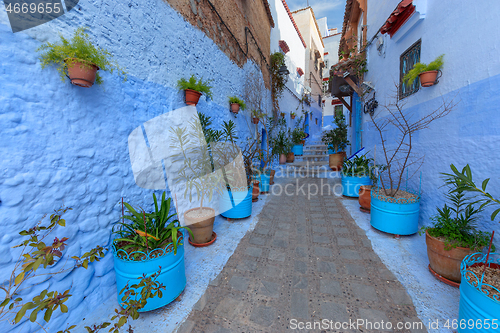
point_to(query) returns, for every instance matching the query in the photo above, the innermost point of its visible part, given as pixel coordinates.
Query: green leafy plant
(148, 231)
(196, 85)
(297, 135)
(419, 68)
(337, 137)
(465, 183)
(78, 49)
(293, 114)
(457, 223)
(258, 114)
(238, 101)
(36, 257)
(282, 143)
(357, 166)
(277, 80)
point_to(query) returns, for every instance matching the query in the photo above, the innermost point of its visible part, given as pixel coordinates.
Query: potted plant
(256, 115)
(395, 209)
(480, 287)
(293, 115)
(144, 242)
(336, 140)
(426, 73)
(236, 104)
(79, 59)
(453, 235)
(297, 137)
(355, 173)
(198, 179)
(364, 198)
(280, 146)
(194, 88)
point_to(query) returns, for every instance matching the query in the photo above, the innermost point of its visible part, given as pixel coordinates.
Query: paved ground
(307, 261)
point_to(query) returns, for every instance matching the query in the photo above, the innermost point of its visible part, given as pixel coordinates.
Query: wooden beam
(345, 103)
(353, 85)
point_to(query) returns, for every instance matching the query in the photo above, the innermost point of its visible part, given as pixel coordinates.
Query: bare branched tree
(398, 149)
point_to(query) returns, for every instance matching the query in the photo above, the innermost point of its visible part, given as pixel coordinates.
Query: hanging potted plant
(336, 141)
(426, 73)
(293, 115)
(198, 179)
(236, 104)
(453, 235)
(257, 115)
(194, 88)
(355, 173)
(395, 208)
(144, 242)
(480, 272)
(79, 59)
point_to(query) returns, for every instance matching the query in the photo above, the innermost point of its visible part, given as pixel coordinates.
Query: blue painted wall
(65, 144)
(470, 133)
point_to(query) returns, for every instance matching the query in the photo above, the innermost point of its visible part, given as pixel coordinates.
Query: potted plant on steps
(355, 173)
(236, 104)
(79, 59)
(453, 235)
(480, 272)
(395, 207)
(298, 136)
(194, 88)
(336, 140)
(426, 73)
(201, 183)
(146, 241)
(280, 146)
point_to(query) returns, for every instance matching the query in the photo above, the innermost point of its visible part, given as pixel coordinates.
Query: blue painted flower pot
(236, 204)
(298, 150)
(351, 185)
(172, 275)
(398, 217)
(331, 151)
(477, 312)
(264, 182)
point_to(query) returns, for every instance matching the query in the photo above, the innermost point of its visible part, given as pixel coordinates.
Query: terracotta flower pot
(303, 142)
(443, 262)
(255, 191)
(201, 226)
(81, 73)
(282, 158)
(192, 96)
(365, 198)
(255, 120)
(271, 177)
(336, 160)
(235, 108)
(292, 116)
(290, 157)
(428, 79)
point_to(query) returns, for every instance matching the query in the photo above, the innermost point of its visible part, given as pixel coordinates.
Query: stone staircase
(313, 163)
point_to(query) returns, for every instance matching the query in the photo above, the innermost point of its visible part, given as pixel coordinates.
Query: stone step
(308, 164)
(318, 146)
(318, 158)
(315, 151)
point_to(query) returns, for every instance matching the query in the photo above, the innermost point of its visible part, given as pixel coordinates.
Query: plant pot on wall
(292, 116)
(255, 120)
(428, 79)
(235, 108)
(81, 73)
(290, 157)
(445, 263)
(192, 96)
(479, 301)
(201, 223)
(130, 271)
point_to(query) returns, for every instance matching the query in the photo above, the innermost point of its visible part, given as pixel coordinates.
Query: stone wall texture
(63, 144)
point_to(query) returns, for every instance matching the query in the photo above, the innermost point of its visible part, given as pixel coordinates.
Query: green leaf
(122, 321)
(5, 302)
(62, 222)
(23, 310)
(495, 213)
(64, 308)
(19, 278)
(48, 314)
(485, 182)
(85, 264)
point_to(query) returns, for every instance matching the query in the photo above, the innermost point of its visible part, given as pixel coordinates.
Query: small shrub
(419, 68)
(236, 100)
(200, 85)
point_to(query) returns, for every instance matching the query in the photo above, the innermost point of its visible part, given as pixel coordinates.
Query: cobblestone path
(305, 261)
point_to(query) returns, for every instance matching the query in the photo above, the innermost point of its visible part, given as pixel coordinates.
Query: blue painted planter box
(236, 204)
(264, 182)
(351, 185)
(476, 309)
(172, 275)
(392, 217)
(298, 150)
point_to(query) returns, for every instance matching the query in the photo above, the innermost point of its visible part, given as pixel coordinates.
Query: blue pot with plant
(297, 136)
(144, 244)
(236, 203)
(356, 173)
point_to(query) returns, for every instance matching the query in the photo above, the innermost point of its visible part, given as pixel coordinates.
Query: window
(338, 110)
(408, 59)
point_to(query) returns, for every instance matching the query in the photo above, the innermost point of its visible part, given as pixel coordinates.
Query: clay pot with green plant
(79, 59)
(194, 88)
(426, 73)
(236, 104)
(257, 115)
(336, 141)
(293, 115)
(281, 146)
(454, 234)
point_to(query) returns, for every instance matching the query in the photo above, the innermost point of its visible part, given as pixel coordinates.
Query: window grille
(408, 59)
